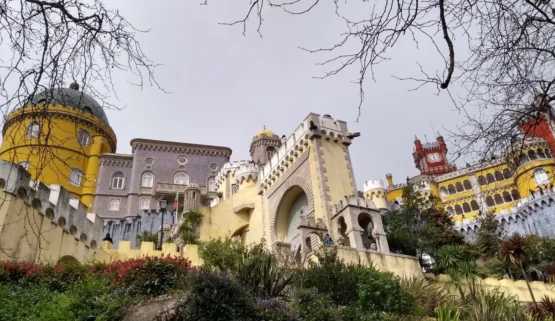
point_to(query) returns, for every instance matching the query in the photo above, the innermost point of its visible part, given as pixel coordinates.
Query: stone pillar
(379, 233)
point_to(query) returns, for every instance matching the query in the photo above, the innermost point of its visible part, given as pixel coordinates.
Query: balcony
(174, 188)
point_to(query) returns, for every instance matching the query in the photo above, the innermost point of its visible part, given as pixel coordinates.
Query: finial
(264, 127)
(74, 85)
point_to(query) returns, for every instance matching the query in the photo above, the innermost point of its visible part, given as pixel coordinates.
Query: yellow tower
(534, 166)
(58, 138)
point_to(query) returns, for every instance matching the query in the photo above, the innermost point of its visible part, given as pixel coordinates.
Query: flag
(176, 202)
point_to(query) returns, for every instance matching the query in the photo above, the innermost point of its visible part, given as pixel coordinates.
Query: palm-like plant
(147, 237)
(513, 252)
(189, 228)
(452, 260)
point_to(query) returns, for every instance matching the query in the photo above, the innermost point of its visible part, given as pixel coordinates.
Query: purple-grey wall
(164, 167)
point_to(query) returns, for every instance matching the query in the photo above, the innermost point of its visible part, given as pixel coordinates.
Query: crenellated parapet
(373, 185)
(54, 203)
(353, 200)
(227, 169)
(534, 214)
(313, 126)
(246, 172)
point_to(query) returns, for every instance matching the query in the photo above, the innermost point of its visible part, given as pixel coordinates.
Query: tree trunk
(528, 284)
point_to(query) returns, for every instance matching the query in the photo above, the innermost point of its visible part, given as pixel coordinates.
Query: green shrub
(214, 296)
(273, 309)
(332, 277)
(313, 306)
(381, 291)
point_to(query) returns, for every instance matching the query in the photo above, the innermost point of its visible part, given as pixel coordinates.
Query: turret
(441, 142)
(264, 145)
(374, 190)
(389, 178)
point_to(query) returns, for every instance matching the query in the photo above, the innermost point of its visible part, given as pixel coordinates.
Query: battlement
(373, 184)
(107, 253)
(297, 142)
(246, 172)
(54, 203)
(353, 200)
(228, 168)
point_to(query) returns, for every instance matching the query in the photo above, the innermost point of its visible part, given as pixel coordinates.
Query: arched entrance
(294, 204)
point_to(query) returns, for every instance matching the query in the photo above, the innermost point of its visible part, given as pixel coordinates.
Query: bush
(381, 291)
(332, 277)
(214, 296)
(274, 309)
(313, 306)
(150, 276)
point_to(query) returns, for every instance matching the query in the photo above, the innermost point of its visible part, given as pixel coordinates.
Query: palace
(518, 185)
(298, 192)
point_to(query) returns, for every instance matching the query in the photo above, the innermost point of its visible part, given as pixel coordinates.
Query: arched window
(467, 185)
(75, 177)
(541, 154)
(270, 151)
(181, 178)
(540, 175)
(211, 184)
(474, 205)
(490, 178)
(523, 159)
(515, 194)
(507, 173)
(458, 209)
(466, 207)
(482, 180)
(145, 203)
(489, 201)
(459, 187)
(147, 179)
(83, 137)
(532, 154)
(443, 191)
(451, 189)
(498, 199)
(499, 176)
(507, 197)
(114, 204)
(450, 210)
(33, 130)
(117, 180)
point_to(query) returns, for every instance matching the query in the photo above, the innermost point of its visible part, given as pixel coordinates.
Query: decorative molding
(180, 148)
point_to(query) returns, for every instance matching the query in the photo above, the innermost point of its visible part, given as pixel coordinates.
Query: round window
(149, 161)
(213, 166)
(182, 160)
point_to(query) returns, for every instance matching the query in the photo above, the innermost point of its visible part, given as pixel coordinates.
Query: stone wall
(400, 265)
(128, 229)
(107, 253)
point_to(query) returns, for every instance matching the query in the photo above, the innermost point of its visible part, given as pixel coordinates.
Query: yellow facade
(66, 140)
(493, 186)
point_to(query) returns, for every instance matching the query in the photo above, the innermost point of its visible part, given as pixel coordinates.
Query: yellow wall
(337, 170)
(26, 235)
(314, 173)
(401, 265)
(107, 254)
(56, 151)
(525, 175)
(393, 194)
(518, 288)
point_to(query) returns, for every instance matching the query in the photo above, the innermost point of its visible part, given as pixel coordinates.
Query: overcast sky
(225, 86)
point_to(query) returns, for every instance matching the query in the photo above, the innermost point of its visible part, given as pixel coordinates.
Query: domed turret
(72, 97)
(264, 145)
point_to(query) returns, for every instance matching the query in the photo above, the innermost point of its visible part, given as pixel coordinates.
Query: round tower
(374, 190)
(264, 145)
(191, 198)
(58, 137)
(533, 165)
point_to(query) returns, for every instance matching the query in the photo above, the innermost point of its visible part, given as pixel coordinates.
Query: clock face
(435, 157)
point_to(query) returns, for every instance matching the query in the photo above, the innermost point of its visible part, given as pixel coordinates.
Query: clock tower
(431, 158)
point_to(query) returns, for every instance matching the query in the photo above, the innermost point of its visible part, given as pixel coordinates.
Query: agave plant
(447, 314)
(513, 252)
(497, 306)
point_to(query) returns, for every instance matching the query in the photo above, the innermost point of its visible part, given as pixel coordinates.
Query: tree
(420, 226)
(50, 43)
(489, 234)
(513, 252)
(500, 52)
(188, 231)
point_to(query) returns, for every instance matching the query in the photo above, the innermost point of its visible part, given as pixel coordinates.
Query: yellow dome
(266, 132)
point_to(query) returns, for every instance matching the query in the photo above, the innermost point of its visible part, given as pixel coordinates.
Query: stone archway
(286, 194)
(293, 205)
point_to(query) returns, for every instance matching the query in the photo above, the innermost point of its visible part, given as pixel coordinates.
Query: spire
(416, 138)
(438, 134)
